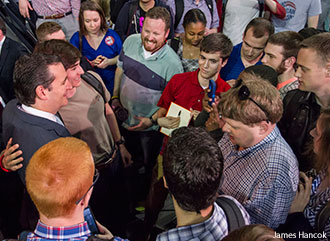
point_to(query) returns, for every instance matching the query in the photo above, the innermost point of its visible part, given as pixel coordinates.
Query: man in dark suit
(10, 51)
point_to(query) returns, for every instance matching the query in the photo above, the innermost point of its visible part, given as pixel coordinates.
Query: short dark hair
(3, 27)
(289, 40)
(263, 71)
(217, 42)
(160, 13)
(320, 43)
(31, 71)
(68, 54)
(308, 32)
(92, 6)
(261, 27)
(193, 166)
(45, 29)
(194, 15)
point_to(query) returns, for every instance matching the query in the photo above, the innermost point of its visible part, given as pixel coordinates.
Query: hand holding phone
(90, 219)
(211, 94)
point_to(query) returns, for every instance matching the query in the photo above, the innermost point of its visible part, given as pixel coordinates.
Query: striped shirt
(50, 7)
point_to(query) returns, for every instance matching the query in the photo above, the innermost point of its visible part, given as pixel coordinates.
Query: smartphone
(211, 94)
(90, 219)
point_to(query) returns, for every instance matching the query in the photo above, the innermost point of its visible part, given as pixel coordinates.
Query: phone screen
(89, 218)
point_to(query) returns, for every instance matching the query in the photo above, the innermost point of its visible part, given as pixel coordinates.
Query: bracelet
(1, 166)
(154, 122)
(114, 97)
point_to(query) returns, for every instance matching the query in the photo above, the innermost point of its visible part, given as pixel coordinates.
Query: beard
(281, 68)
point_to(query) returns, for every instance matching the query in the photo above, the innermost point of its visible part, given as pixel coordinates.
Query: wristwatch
(121, 141)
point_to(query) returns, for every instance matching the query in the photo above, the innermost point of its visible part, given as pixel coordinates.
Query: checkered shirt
(286, 88)
(69, 233)
(213, 229)
(189, 65)
(50, 7)
(263, 177)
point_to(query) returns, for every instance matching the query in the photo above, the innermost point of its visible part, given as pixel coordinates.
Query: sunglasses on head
(244, 94)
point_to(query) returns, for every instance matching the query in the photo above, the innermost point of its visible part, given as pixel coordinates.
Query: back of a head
(45, 29)
(193, 166)
(31, 71)
(160, 13)
(308, 32)
(58, 175)
(217, 42)
(289, 40)
(68, 54)
(244, 110)
(260, 27)
(263, 71)
(255, 232)
(320, 43)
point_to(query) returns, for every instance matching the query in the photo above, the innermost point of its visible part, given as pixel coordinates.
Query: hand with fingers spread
(169, 122)
(10, 160)
(303, 194)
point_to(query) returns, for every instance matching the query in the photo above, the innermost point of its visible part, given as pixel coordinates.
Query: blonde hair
(58, 175)
(247, 112)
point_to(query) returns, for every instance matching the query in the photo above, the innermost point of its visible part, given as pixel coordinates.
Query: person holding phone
(61, 189)
(99, 44)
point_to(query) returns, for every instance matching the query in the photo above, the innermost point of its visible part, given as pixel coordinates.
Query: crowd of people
(83, 120)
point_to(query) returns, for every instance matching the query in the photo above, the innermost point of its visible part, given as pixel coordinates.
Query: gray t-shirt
(297, 13)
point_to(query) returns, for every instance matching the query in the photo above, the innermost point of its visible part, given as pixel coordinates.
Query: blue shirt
(234, 65)
(264, 177)
(109, 47)
(213, 229)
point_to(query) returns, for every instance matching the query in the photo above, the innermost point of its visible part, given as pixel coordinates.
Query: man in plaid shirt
(260, 169)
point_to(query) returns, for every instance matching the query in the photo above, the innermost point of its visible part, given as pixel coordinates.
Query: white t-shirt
(238, 14)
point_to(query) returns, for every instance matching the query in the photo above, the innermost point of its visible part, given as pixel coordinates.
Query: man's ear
(263, 127)
(224, 62)
(165, 184)
(41, 92)
(167, 33)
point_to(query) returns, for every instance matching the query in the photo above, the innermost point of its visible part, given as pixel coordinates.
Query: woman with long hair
(99, 44)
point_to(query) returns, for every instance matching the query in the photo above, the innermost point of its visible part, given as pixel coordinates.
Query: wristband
(4, 169)
(114, 97)
(121, 141)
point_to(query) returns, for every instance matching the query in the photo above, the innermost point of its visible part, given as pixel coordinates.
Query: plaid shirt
(213, 229)
(69, 233)
(264, 177)
(50, 7)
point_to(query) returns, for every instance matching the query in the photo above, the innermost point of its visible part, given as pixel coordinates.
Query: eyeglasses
(244, 94)
(95, 178)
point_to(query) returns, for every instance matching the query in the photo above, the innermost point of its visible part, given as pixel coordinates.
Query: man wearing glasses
(61, 190)
(260, 169)
(250, 51)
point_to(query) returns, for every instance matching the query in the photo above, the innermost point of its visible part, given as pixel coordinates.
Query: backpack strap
(175, 44)
(95, 83)
(224, 4)
(132, 10)
(179, 7)
(261, 7)
(322, 218)
(233, 214)
(209, 4)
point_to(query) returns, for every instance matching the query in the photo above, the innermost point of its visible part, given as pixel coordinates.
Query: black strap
(132, 10)
(209, 4)
(95, 83)
(175, 44)
(224, 4)
(234, 215)
(322, 218)
(261, 7)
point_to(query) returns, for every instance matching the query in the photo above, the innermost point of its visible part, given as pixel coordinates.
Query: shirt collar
(1, 43)
(49, 232)
(42, 114)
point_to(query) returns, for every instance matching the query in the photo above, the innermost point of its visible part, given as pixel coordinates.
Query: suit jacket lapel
(4, 53)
